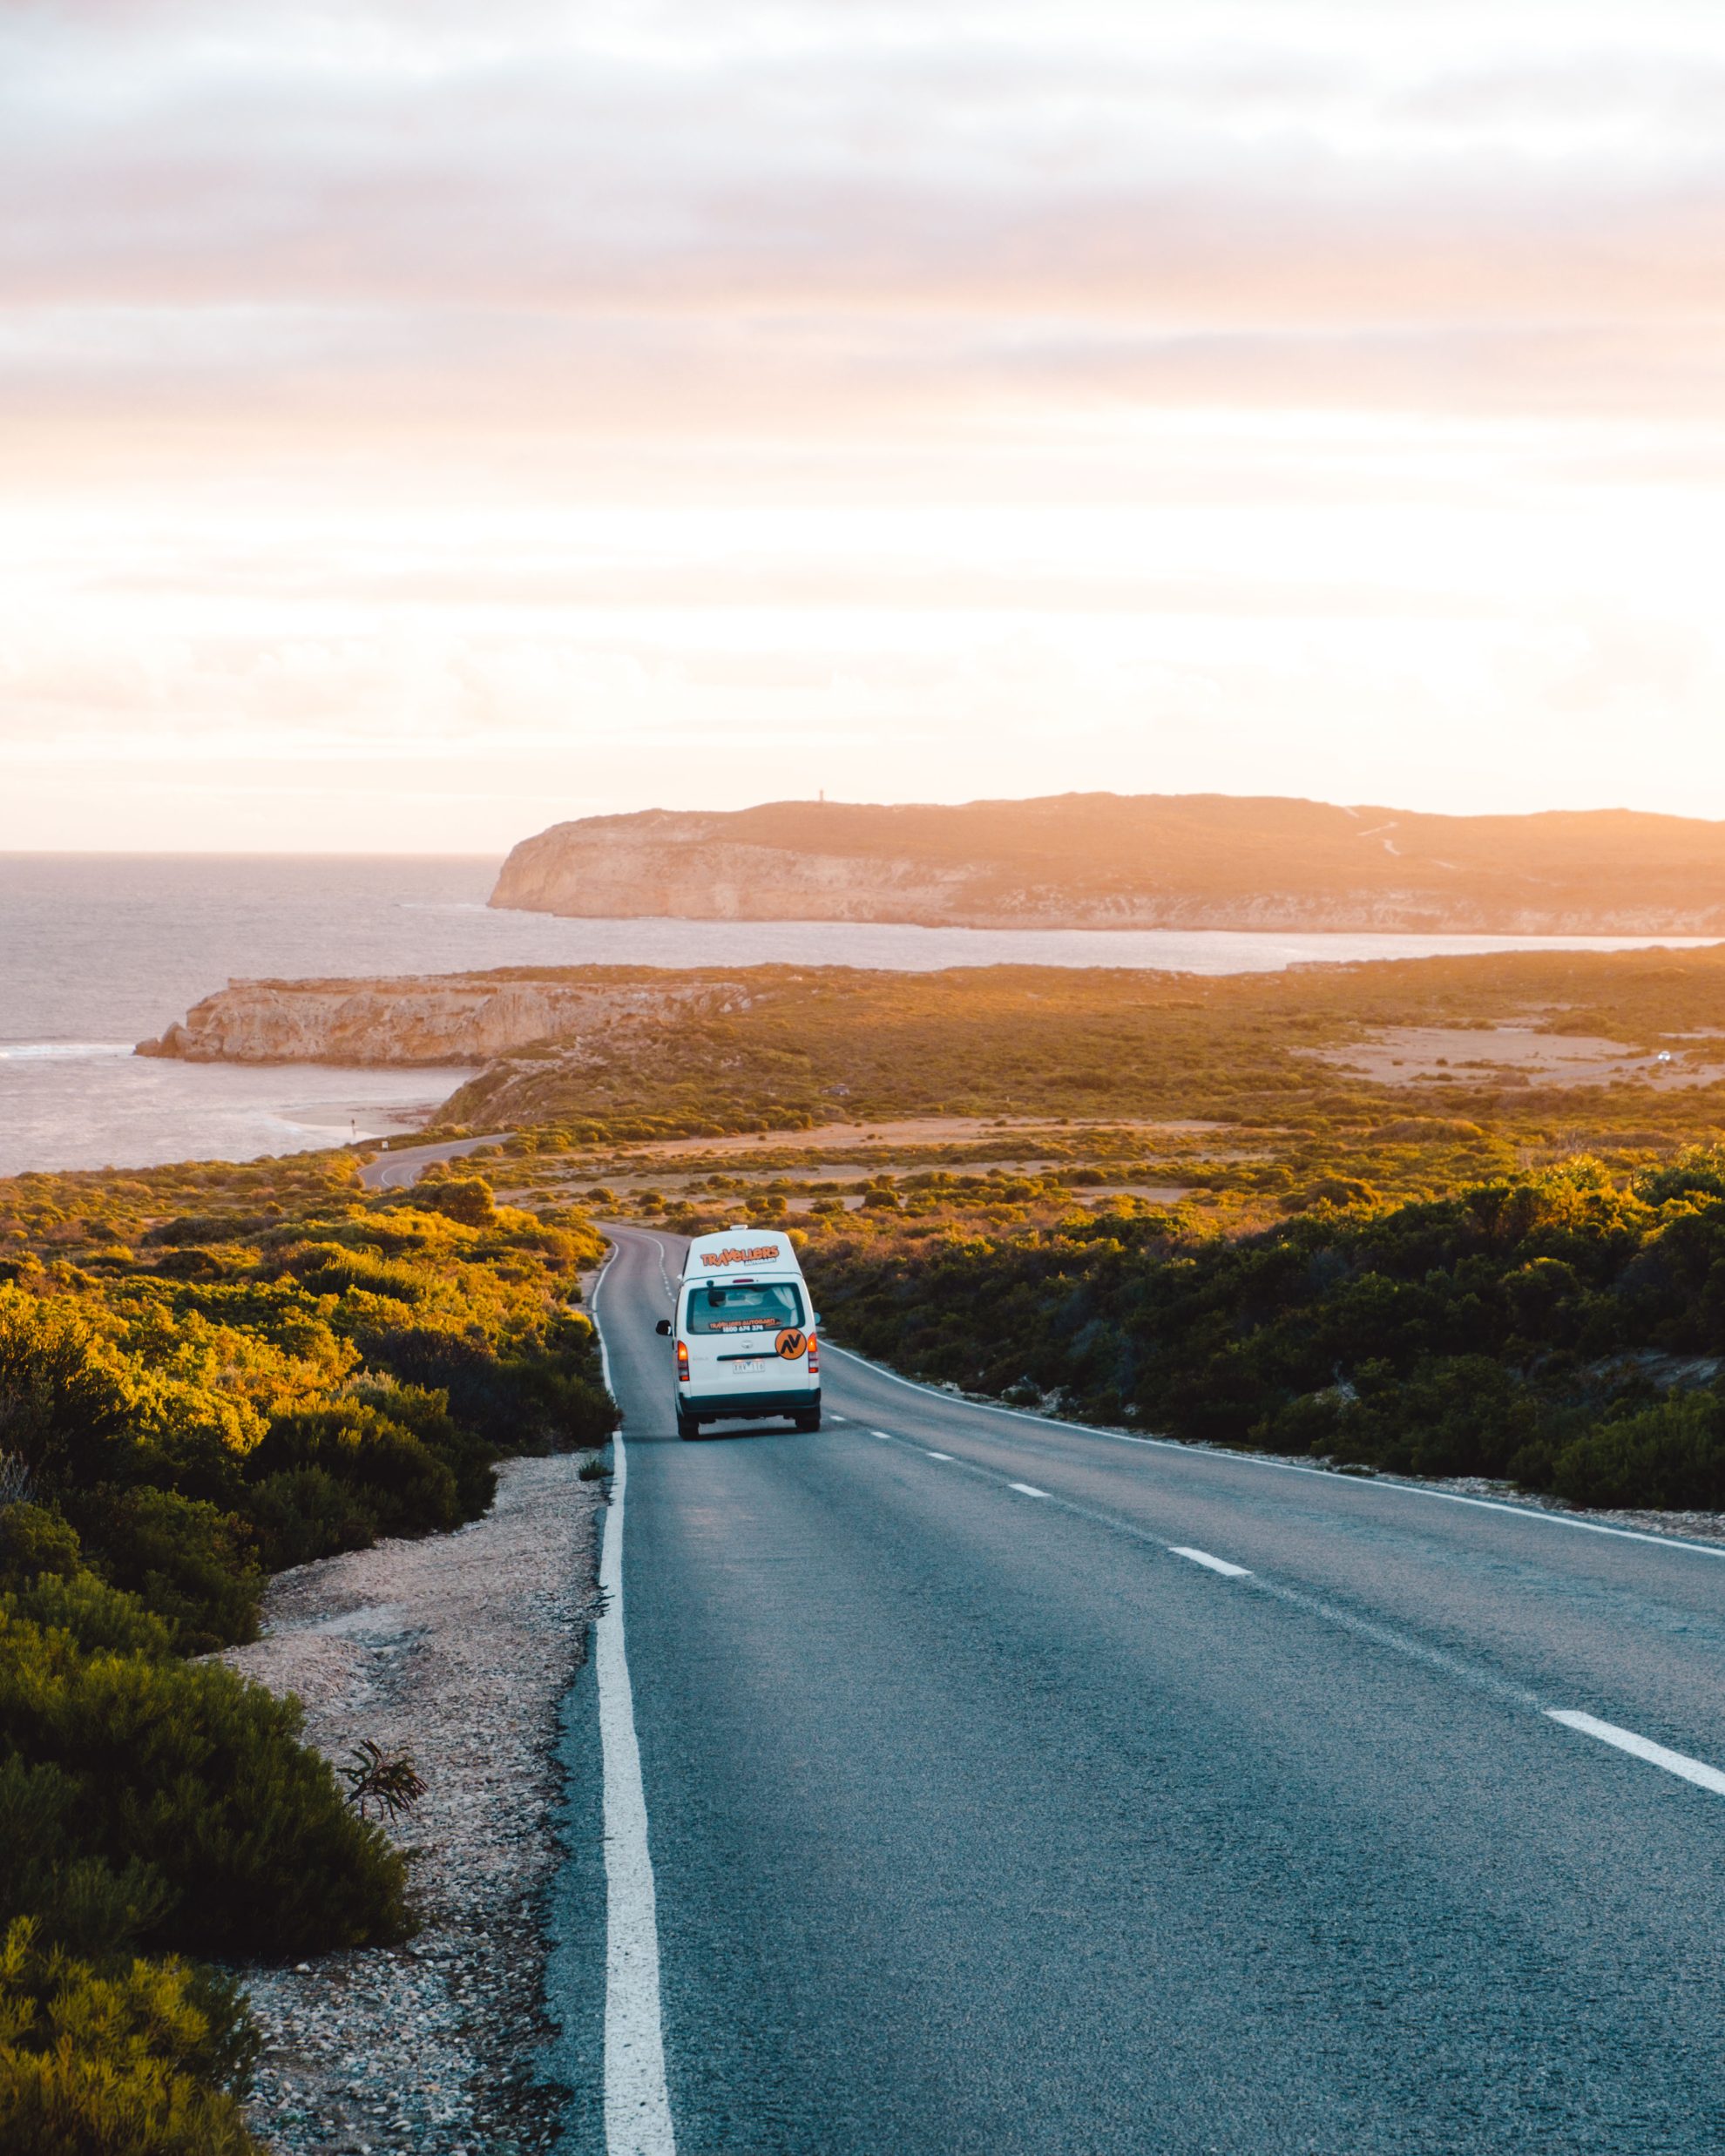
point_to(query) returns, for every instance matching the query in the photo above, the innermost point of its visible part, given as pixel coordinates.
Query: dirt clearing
(1424, 1055)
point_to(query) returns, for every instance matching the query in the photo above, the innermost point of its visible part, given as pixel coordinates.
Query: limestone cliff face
(684, 868)
(449, 1018)
(1143, 861)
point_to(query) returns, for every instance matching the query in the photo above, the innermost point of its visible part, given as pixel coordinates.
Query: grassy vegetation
(784, 1048)
(207, 1374)
(1472, 1269)
(1236, 1091)
(1559, 1328)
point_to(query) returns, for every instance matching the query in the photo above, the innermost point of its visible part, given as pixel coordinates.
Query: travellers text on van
(757, 1256)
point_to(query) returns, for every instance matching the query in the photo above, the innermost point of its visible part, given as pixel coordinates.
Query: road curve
(397, 1169)
(1011, 1788)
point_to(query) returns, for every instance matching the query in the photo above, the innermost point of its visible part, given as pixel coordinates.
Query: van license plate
(746, 1370)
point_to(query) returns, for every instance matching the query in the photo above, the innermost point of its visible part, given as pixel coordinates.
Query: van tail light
(682, 1362)
(814, 1356)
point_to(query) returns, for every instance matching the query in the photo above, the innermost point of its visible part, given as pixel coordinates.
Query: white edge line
(937, 1456)
(636, 2102)
(1678, 1763)
(592, 1312)
(1283, 1467)
(1214, 1564)
(1030, 1490)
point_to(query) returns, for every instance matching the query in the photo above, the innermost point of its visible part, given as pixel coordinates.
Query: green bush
(546, 1397)
(464, 1198)
(1668, 1456)
(141, 2062)
(191, 1229)
(79, 1902)
(302, 1513)
(331, 1268)
(406, 1485)
(286, 1378)
(187, 1562)
(198, 1777)
(43, 1577)
(35, 1541)
(101, 1618)
(64, 1410)
(1519, 1327)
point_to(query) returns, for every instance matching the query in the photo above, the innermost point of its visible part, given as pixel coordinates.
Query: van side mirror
(663, 1328)
(813, 1317)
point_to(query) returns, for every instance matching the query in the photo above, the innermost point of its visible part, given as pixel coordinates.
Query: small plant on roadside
(388, 1780)
(594, 1468)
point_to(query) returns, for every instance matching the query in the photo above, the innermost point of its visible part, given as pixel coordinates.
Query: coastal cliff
(664, 865)
(446, 1018)
(1104, 861)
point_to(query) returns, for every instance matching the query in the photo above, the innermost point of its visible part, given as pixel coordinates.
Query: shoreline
(111, 1108)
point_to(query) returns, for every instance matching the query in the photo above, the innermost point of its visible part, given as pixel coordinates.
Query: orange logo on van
(790, 1343)
(757, 1256)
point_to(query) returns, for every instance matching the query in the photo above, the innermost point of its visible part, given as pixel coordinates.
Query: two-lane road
(1014, 1788)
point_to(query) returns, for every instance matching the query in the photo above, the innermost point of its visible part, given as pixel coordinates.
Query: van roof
(741, 1250)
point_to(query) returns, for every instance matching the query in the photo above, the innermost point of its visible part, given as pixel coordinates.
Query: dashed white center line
(1676, 1763)
(1213, 1564)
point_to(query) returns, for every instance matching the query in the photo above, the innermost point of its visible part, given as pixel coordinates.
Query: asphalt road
(395, 1171)
(983, 1819)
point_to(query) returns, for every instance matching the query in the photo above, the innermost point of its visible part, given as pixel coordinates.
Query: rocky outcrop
(446, 1018)
(1146, 862)
(686, 867)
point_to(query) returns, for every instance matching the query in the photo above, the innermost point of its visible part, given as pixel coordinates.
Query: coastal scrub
(1563, 1330)
(234, 1389)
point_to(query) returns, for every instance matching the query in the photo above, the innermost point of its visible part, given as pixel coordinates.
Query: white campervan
(744, 1332)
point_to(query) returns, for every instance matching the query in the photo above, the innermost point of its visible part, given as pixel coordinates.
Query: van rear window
(762, 1305)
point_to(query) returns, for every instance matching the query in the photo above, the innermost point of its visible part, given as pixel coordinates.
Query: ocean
(99, 951)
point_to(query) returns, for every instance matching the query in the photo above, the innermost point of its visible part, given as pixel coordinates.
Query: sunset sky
(420, 420)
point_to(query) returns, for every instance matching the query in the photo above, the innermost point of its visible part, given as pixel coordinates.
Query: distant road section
(1010, 1787)
(396, 1169)
(1148, 861)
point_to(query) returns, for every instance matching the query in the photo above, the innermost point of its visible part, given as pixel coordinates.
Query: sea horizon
(100, 950)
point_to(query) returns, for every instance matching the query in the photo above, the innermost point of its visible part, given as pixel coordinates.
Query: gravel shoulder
(458, 1648)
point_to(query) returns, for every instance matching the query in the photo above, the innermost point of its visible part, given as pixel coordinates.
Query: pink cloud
(405, 214)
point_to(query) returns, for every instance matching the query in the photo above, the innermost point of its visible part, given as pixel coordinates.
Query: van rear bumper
(716, 1406)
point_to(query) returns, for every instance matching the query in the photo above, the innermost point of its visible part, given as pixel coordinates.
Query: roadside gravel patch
(1688, 1526)
(458, 1649)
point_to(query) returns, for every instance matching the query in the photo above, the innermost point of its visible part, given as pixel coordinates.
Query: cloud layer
(1279, 389)
(887, 207)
